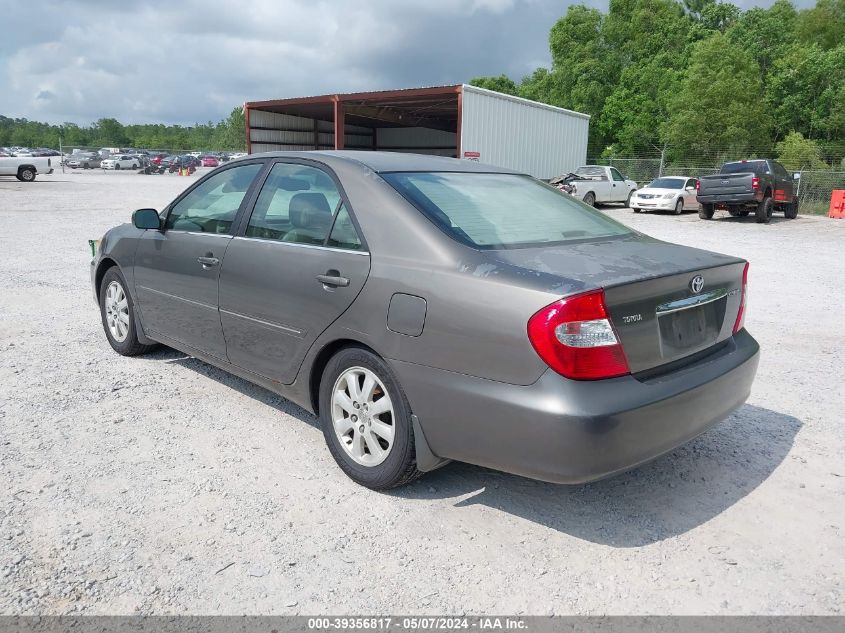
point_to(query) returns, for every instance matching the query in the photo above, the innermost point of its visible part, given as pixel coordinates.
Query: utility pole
(61, 155)
(662, 161)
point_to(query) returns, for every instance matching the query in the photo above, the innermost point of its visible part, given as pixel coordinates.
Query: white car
(123, 161)
(669, 193)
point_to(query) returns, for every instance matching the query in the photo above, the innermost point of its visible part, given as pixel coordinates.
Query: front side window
(616, 175)
(297, 204)
(501, 210)
(211, 207)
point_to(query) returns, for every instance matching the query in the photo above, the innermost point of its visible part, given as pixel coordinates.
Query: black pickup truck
(759, 185)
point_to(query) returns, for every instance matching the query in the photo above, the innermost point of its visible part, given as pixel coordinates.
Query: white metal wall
(523, 135)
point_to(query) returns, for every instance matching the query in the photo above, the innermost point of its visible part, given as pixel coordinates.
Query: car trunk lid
(666, 301)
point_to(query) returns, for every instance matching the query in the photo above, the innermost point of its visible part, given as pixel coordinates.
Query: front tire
(628, 199)
(117, 312)
(117, 166)
(679, 206)
(764, 210)
(366, 420)
(705, 211)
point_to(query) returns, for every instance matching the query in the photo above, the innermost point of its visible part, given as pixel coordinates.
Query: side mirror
(796, 175)
(146, 219)
(690, 188)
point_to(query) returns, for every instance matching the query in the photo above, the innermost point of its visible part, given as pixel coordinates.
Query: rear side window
(501, 210)
(298, 204)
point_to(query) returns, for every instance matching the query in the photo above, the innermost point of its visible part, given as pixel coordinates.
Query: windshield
(755, 166)
(667, 183)
(501, 210)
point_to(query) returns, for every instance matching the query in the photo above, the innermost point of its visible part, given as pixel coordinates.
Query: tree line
(699, 79)
(227, 134)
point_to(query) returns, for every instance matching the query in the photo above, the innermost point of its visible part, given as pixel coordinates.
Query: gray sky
(194, 60)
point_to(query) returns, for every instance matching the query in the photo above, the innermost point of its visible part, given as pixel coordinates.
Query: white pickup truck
(25, 168)
(598, 184)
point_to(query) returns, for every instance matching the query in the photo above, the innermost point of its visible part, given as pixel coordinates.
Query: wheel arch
(102, 269)
(322, 359)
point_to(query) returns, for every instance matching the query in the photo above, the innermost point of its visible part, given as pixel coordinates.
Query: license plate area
(690, 325)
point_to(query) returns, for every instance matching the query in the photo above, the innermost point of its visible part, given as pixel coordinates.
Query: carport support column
(339, 123)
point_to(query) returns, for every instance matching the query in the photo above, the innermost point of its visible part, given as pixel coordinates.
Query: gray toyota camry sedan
(431, 309)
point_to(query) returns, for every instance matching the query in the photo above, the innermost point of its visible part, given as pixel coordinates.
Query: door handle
(333, 278)
(208, 261)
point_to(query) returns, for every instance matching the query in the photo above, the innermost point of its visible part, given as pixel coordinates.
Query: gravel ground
(163, 485)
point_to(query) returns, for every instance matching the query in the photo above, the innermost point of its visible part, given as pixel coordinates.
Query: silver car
(431, 309)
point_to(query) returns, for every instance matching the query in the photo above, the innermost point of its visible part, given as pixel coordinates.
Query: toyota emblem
(696, 284)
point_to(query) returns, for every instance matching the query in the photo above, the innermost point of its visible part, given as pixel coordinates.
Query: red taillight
(755, 183)
(574, 336)
(740, 315)
(698, 185)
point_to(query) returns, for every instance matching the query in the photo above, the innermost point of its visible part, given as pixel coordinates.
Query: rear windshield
(592, 172)
(668, 183)
(501, 210)
(755, 166)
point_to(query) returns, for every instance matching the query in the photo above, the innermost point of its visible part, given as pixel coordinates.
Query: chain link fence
(814, 186)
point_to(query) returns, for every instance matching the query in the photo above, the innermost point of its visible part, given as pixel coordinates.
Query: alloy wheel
(362, 416)
(117, 312)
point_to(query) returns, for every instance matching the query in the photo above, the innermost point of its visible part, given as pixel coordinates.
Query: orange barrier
(837, 204)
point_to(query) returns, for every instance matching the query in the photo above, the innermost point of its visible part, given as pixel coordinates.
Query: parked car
(25, 168)
(598, 184)
(209, 161)
(400, 298)
(157, 158)
(740, 187)
(83, 160)
(669, 193)
(120, 161)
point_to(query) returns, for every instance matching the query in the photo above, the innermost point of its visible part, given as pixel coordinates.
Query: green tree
(502, 83)
(110, 133)
(719, 106)
(796, 152)
(823, 24)
(766, 33)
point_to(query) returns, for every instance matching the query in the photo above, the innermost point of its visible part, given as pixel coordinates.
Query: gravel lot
(162, 485)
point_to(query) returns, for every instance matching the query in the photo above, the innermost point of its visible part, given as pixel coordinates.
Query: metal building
(462, 120)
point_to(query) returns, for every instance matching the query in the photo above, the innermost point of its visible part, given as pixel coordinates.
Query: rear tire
(590, 199)
(117, 312)
(679, 206)
(351, 447)
(26, 174)
(791, 212)
(764, 211)
(635, 210)
(705, 211)
(117, 166)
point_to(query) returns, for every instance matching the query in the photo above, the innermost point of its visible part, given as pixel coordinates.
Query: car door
(783, 183)
(177, 268)
(618, 187)
(690, 200)
(296, 265)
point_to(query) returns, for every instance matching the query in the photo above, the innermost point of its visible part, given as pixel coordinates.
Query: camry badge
(696, 284)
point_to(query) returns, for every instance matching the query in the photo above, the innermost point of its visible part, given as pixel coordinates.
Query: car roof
(385, 162)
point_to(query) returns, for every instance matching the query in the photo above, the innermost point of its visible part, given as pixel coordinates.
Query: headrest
(310, 211)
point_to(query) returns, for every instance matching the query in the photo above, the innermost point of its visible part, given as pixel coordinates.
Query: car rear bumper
(731, 198)
(567, 431)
